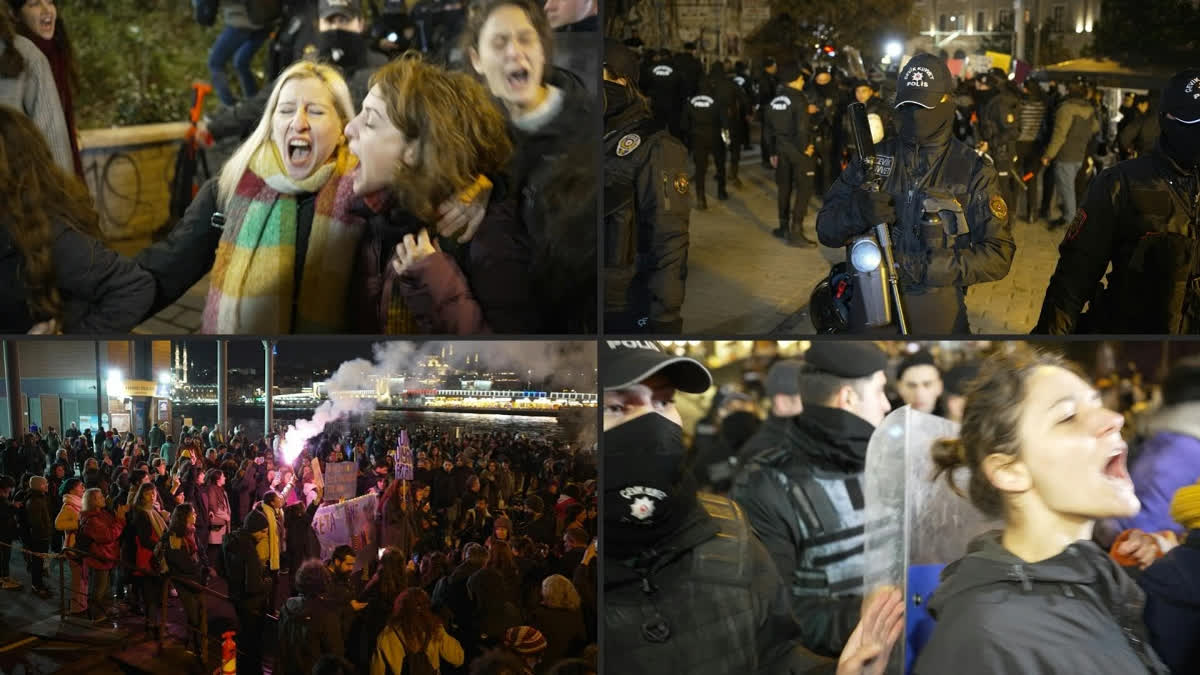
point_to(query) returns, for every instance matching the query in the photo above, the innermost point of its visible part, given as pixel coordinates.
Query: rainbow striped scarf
(253, 279)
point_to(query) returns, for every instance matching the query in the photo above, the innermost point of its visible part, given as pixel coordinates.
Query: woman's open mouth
(299, 150)
(518, 79)
(1116, 469)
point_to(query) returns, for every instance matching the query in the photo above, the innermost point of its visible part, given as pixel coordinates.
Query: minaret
(185, 363)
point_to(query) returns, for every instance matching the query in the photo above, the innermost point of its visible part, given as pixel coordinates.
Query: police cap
(923, 80)
(624, 363)
(1181, 98)
(847, 359)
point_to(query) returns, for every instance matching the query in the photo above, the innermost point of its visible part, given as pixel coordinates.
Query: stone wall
(129, 171)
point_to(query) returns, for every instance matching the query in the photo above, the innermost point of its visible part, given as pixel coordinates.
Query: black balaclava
(343, 48)
(617, 98)
(647, 494)
(924, 126)
(1181, 142)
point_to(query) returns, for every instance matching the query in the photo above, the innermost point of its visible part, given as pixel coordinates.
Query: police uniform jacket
(1142, 215)
(933, 259)
(646, 212)
(786, 119)
(708, 601)
(804, 498)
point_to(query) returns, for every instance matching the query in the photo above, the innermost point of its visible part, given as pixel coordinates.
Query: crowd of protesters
(482, 559)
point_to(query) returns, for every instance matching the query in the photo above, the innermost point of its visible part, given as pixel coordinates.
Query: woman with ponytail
(1038, 597)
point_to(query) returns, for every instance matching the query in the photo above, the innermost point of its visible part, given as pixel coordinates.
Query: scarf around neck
(253, 278)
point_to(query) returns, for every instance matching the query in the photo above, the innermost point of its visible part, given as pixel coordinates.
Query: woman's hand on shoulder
(464, 212)
(413, 250)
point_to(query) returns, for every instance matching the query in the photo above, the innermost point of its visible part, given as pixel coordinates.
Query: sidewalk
(744, 281)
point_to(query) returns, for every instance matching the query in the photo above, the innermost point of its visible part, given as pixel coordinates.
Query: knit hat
(1185, 506)
(525, 640)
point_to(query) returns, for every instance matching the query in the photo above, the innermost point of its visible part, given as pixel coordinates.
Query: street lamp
(164, 377)
(893, 49)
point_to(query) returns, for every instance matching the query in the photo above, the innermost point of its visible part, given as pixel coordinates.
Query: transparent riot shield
(914, 526)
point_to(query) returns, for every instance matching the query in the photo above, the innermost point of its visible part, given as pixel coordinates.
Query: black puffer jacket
(1077, 612)
(102, 291)
(555, 179)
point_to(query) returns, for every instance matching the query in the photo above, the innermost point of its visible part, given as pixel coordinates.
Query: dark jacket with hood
(102, 291)
(1077, 612)
(308, 629)
(790, 493)
(554, 176)
(706, 601)
(1172, 587)
(1140, 215)
(646, 211)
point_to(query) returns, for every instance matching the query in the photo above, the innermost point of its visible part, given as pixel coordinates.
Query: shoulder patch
(1076, 225)
(628, 144)
(781, 103)
(998, 207)
(681, 183)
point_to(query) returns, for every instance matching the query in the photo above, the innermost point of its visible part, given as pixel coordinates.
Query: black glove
(876, 207)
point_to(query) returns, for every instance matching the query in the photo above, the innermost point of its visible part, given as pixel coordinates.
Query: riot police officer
(690, 69)
(1143, 217)
(999, 129)
(949, 222)
(739, 126)
(704, 118)
(786, 130)
(867, 94)
(767, 83)
(665, 88)
(645, 207)
(824, 94)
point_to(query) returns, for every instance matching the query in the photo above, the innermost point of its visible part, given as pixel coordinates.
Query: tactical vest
(829, 513)
(708, 599)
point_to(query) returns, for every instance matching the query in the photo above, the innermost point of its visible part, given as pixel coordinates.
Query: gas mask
(925, 126)
(1181, 141)
(647, 493)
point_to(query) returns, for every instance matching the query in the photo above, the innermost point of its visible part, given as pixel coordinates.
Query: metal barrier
(65, 556)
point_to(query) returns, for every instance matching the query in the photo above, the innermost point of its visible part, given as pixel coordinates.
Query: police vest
(708, 599)
(829, 513)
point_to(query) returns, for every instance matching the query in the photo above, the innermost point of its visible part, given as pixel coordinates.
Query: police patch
(682, 183)
(998, 207)
(883, 165)
(1076, 225)
(628, 144)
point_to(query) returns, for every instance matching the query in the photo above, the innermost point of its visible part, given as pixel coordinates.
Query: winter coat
(1172, 586)
(246, 488)
(302, 542)
(483, 286)
(495, 596)
(214, 500)
(8, 520)
(102, 291)
(554, 176)
(1169, 459)
(34, 93)
(308, 628)
(244, 570)
(400, 527)
(67, 521)
(390, 652)
(236, 16)
(181, 562)
(40, 526)
(104, 530)
(564, 632)
(1077, 612)
(1075, 123)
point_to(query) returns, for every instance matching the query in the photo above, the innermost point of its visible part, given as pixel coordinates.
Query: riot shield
(914, 526)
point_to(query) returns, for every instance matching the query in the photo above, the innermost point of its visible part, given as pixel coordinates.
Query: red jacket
(104, 529)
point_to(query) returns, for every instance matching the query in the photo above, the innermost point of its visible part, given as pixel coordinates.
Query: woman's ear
(475, 61)
(1007, 473)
